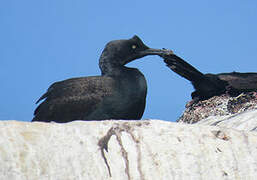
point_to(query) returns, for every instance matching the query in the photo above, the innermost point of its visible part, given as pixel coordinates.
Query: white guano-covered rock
(246, 121)
(142, 150)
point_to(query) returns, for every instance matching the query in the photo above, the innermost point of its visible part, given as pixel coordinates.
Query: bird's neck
(108, 68)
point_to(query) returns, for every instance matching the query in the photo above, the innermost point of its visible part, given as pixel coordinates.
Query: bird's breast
(133, 85)
(131, 91)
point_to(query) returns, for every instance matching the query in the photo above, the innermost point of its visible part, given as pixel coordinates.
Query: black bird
(119, 93)
(209, 85)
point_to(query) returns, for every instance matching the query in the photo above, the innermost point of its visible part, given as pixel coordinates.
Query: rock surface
(219, 106)
(142, 150)
(246, 121)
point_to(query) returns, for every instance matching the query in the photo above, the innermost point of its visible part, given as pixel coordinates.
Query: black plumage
(209, 85)
(119, 93)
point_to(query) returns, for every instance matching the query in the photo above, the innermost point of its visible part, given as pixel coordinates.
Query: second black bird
(209, 85)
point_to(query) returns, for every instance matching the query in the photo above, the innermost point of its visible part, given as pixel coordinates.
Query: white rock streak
(136, 150)
(246, 121)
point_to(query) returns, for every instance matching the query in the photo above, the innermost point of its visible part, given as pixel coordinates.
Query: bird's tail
(182, 68)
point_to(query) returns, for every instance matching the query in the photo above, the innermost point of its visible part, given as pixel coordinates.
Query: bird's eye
(134, 46)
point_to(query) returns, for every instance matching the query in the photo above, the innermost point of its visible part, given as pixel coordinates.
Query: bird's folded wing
(74, 96)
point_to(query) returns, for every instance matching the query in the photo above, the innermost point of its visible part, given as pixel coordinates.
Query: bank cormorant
(119, 93)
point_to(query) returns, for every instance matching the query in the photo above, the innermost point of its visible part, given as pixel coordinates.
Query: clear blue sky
(51, 40)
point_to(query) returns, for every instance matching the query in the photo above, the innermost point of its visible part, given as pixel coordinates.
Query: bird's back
(240, 81)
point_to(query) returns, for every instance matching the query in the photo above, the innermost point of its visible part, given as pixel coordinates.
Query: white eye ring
(134, 46)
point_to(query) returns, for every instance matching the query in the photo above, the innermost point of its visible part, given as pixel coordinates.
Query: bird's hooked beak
(160, 52)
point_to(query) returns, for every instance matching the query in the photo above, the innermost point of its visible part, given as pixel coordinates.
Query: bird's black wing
(72, 99)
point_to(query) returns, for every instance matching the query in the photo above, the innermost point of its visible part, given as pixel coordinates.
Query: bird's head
(121, 52)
